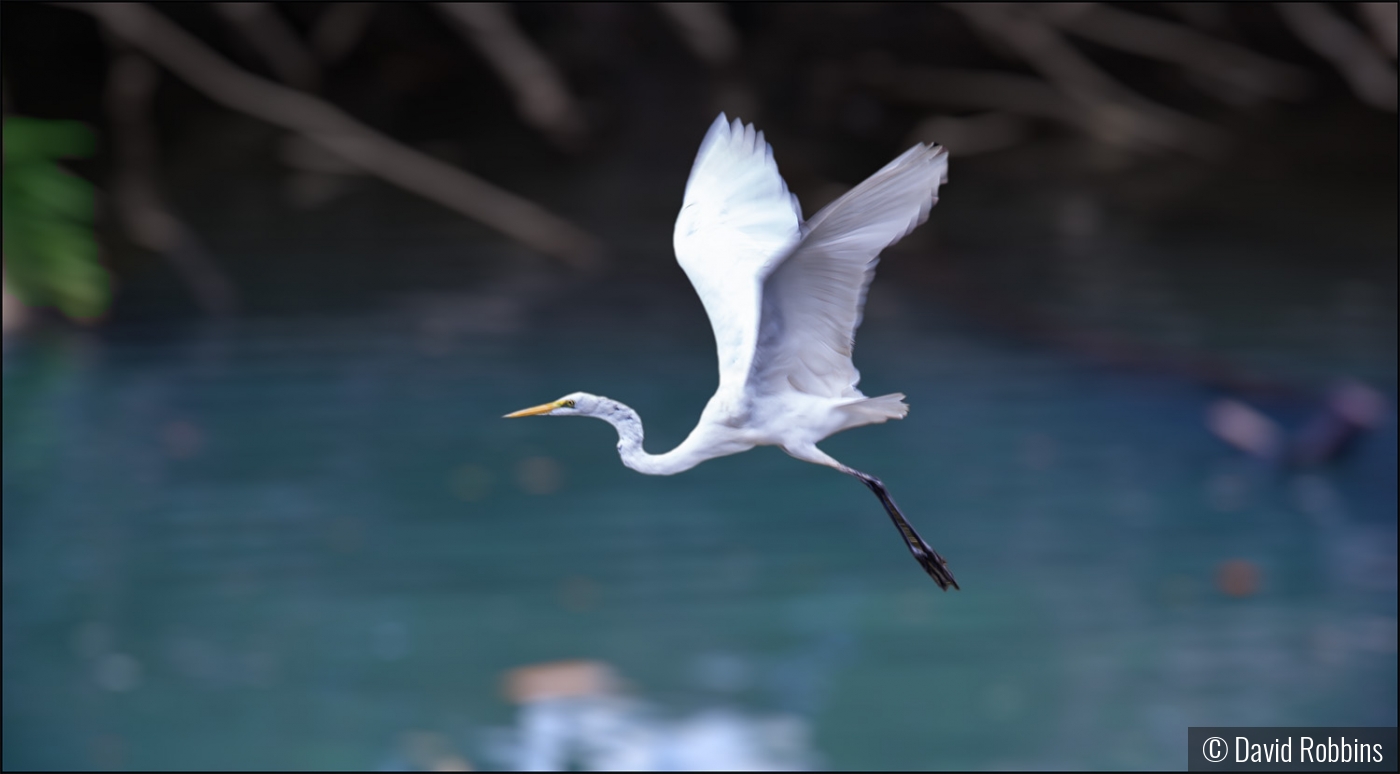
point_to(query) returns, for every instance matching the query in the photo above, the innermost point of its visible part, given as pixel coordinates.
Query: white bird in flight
(784, 296)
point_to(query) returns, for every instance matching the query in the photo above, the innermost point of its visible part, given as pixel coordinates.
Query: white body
(785, 296)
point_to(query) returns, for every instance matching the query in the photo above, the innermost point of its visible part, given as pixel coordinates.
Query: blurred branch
(412, 170)
(1365, 69)
(339, 27)
(1180, 45)
(275, 40)
(1118, 113)
(541, 95)
(979, 89)
(1382, 18)
(131, 84)
(705, 30)
(300, 153)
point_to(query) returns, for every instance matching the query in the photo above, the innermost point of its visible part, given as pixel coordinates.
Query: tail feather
(870, 411)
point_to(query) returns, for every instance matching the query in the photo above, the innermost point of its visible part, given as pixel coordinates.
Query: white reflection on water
(575, 714)
(616, 733)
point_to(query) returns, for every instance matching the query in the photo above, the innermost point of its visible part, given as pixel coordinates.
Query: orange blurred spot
(559, 680)
(539, 475)
(1237, 577)
(431, 751)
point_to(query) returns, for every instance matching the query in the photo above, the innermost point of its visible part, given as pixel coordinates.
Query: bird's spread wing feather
(813, 298)
(737, 221)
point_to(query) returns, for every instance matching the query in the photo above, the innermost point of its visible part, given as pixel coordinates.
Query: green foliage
(51, 255)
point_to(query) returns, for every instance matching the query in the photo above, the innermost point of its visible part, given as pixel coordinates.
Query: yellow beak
(534, 410)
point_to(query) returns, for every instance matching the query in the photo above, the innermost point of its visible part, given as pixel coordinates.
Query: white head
(575, 404)
(624, 420)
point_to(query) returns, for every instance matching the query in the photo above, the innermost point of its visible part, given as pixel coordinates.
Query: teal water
(314, 543)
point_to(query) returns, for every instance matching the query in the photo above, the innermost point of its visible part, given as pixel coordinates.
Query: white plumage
(785, 297)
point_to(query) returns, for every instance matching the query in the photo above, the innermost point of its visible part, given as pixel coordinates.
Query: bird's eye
(568, 404)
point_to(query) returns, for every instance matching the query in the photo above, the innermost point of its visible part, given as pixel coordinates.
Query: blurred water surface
(313, 542)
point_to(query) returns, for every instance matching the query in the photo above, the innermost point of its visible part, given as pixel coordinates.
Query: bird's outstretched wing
(813, 299)
(737, 221)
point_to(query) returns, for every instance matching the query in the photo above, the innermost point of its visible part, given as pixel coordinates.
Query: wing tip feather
(727, 147)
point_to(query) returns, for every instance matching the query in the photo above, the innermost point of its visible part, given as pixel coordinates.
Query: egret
(784, 297)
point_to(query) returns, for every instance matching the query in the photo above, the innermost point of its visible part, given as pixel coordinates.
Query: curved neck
(629, 443)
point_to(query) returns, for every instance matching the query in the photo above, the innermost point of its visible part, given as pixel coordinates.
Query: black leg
(933, 564)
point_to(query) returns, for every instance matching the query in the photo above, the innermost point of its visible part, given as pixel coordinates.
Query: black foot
(934, 564)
